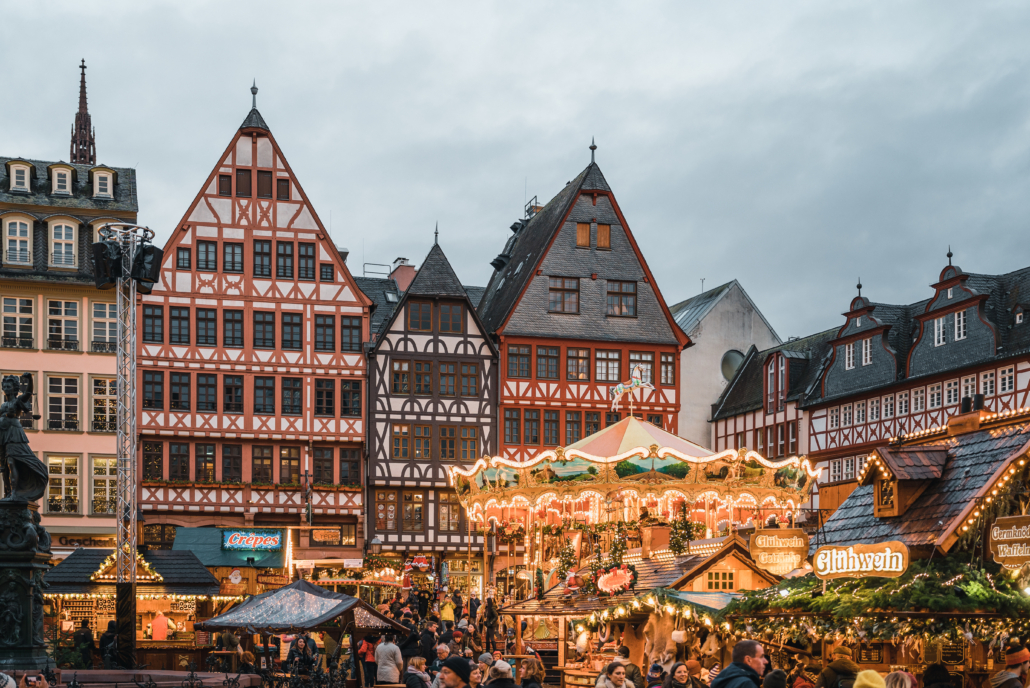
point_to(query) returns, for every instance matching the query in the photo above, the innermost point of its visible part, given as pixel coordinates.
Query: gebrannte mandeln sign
(779, 550)
(882, 559)
(1010, 541)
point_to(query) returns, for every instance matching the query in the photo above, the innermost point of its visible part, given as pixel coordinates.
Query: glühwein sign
(883, 559)
(779, 550)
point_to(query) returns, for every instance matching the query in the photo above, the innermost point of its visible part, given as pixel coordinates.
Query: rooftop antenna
(950, 254)
(436, 234)
(702, 285)
(859, 285)
(253, 95)
(593, 147)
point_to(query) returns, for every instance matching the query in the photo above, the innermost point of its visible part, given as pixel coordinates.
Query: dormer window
(61, 183)
(103, 185)
(849, 356)
(1019, 318)
(867, 352)
(949, 292)
(885, 494)
(19, 178)
(858, 321)
(103, 182)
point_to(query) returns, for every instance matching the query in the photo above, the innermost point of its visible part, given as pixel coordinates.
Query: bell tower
(84, 146)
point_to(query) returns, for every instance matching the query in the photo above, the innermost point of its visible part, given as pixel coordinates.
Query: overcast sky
(793, 146)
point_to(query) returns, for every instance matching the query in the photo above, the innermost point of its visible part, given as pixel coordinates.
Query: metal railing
(105, 425)
(262, 343)
(17, 342)
(62, 505)
(99, 347)
(66, 424)
(234, 407)
(18, 256)
(104, 506)
(62, 259)
(62, 344)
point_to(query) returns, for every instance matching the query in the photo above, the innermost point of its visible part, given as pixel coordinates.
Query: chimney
(403, 273)
(344, 252)
(968, 418)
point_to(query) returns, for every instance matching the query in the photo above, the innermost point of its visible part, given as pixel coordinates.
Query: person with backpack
(841, 671)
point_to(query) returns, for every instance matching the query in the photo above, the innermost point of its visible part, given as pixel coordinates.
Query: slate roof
(254, 120)
(971, 461)
(688, 313)
(475, 294)
(376, 289)
(182, 572)
(124, 192)
(919, 463)
(435, 277)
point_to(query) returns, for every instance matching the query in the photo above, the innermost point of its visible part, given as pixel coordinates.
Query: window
(178, 461)
(423, 378)
(282, 189)
(183, 259)
(646, 361)
(401, 434)
(934, 396)
(63, 325)
(207, 256)
(63, 494)
(284, 259)
(845, 415)
(563, 296)
(153, 390)
(1006, 380)
(325, 333)
(232, 257)
(849, 356)
(604, 236)
(400, 383)
(264, 395)
(224, 185)
(207, 329)
(950, 291)
(834, 421)
(969, 386)
(291, 331)
(583, 234)
(261, 465)
(573, 427)
(547, 362)
(591, 423)
(849, 468)
(577, 364)
(243, 183)
(18, 323)
(792, 438)
(20, 178)
(350, 398)
(938, 331)
(262, 258)
(720, 580)
(412, 510)
(306, 261)
(179, 392)
(264, 330)
(512, 426)
(469, 380)
(607, 366)
(105, 405)
(291, 399)
(622, 298)
(322, 463)
(153, 460)
(207, 399)
(1019, 318)
(450, 513)
(159, 536)
(470, 443)
(448, 442)
(61, 182)
(179, 325)
(780, 440)
(888, 407)
(326, 272)
(289, 465)
(874, 410)
(350, 334)
(960, 325)
(518, 361)
(325, 397)
(668, 369)
(420, 317)
(451, 318)
(902, 403)
(232, 463)
(18, 243)
(423, 442)
(350, 472)
(987, 384)
(205, 458)
(859, 413)
(867, 352)
(153, 324)
(233, 328)
(531, 428)
(264, 184)
(63, 244)
(446, 379)
(105, 484)
(918, 400)
(232, 395)
(551, 428)
(386, 510)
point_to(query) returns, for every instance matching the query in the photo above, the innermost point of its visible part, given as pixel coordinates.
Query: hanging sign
(264, 540)
(779, 550)
(1010, 541)
(883, 559)
(266, 579)
(870, 654)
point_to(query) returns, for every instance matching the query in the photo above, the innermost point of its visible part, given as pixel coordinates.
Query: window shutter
(604, 236)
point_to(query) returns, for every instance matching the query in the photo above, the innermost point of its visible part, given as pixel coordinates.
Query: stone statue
(24, 476)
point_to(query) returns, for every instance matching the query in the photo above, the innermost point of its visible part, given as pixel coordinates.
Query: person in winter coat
(458, 604)
(247, 664)
(532, 673)
(937, 676)
(390, 662)
(455, 645)
(694, 674)
(410, 645)
(841, 672)
(474, 605)
(367, 654)
(447, 610)
(633, 673)
(613, 676)
(447, 634)
(83, 641)
(777, 678)
(415, 676)
(872, 679)
(678, 676)
(427, 641)
(490, 621)
(1017, 664)
(499, 676)
(655, 676)
(442, 653)
(747, 667)
(109, 646)
(301, 656)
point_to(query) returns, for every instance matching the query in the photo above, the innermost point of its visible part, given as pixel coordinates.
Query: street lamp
(376, 546)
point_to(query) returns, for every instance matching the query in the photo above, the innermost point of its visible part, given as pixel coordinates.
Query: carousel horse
(636, 381)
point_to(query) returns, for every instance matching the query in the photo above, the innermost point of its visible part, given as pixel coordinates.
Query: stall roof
(182, 572)
(298, 606)
(206, 543)
(709, 600)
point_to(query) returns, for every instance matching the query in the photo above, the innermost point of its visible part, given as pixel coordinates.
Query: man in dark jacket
(448, 632)
(427, 642)
(109, 646)
(473, 607)
(83, 640)
(841, 670)
(410, 644)
(458, 604)
(746, 669)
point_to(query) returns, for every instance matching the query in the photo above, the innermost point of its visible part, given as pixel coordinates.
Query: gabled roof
(733, 545)
(689, 312)
(81, 198)
(435, 277)
(917, 463)
(182, 573)
(475, 294)
(254, 120)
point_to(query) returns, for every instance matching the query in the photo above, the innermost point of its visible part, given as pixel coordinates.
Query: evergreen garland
(683, 531)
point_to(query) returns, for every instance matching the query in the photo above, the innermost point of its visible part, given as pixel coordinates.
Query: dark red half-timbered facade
(574, 309)
(251, 375)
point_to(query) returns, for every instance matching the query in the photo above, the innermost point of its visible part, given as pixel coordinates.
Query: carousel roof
(631, 433)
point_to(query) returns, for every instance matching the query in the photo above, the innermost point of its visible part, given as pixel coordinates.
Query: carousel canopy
(296, 607)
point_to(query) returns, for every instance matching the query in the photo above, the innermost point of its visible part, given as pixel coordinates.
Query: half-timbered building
(890, 371)
(574, 309)
(433, 399)
(251, 375)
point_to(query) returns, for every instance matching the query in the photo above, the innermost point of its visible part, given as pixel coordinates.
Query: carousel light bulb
(669, 609)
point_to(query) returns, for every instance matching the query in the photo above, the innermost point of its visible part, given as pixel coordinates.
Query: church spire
(84, 147)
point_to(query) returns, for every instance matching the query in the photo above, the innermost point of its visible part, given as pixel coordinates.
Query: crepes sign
(883, 559)
(779, 550)
(1010, 541)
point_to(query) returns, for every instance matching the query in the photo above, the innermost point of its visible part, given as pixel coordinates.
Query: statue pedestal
(24, 553)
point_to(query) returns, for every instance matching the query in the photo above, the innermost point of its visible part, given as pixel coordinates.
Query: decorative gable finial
(436, 234)
(950, 254)
(253, 95)
(593, 147)
(859, 285)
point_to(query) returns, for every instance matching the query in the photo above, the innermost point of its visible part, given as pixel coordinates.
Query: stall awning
(296, 607)
(206, 543)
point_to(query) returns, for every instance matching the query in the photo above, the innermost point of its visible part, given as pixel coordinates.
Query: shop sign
(779, 550)
(870, 654)
(353, 563)
(1010, 541)
(263, 540)
(85, 541)
(271, 579)
(329, 537)
(883, 559)
(953, 653)
(232, 589)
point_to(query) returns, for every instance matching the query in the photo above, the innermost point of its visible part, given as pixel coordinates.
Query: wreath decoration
(614, 580)
(511, 532)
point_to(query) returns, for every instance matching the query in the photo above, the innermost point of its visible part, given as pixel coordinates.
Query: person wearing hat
(455, 644)
(694, 674)
(841, 671)
(485, 661)
(870, 679)
(500, 675)
(655, 675)
(1017, 663)
(455, 672)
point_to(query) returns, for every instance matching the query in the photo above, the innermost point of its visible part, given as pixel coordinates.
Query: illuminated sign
(779, 550)
(263, 540)
(1010, 541)
(884, 560)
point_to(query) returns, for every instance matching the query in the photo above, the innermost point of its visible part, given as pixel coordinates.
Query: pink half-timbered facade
(251, 374)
